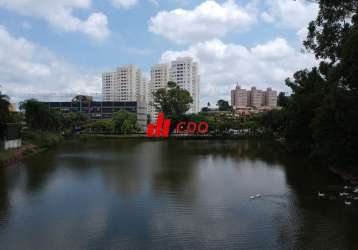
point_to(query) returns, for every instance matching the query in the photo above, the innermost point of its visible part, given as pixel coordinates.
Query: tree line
(321, 115)
(36, 116)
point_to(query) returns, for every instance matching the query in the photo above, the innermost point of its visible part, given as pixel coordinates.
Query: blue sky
(62, 46)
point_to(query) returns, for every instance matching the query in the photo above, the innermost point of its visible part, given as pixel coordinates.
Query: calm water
(132, 194)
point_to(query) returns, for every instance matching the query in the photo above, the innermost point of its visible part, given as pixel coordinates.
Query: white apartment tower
(125, 84)
(159, 78)
(185, 72)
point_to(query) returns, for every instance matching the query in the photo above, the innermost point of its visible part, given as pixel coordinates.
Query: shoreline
(12, 156)
(181, 137)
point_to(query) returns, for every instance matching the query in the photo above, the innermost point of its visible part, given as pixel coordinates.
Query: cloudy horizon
(63, 46)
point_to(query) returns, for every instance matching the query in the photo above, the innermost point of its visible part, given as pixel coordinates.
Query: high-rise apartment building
(125, 84)
(241, 98)
(159, 77)
(257, 98)
(271, 98)
(185, 72)
(128, 84)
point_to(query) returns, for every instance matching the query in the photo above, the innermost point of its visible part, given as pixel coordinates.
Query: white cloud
(126, 4)
(28, 68)
(59, 14)
(291, 14)
(207, 21)
(222, 65)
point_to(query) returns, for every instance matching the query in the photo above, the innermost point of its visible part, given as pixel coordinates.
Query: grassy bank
(9, 157)
(33, 142)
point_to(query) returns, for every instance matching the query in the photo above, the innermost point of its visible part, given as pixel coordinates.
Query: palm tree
(4, 108)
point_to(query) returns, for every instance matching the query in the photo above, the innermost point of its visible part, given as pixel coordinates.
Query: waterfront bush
(101, 126)
(42, 138)
(125, 122)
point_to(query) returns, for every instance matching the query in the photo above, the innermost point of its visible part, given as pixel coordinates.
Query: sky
(63, 46)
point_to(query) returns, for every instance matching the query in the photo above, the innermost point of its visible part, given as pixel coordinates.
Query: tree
(323, 109)
(224, 105)
(36, 114)
(125, 122)
(173, 100)
(72, 120)
(205, 109)
(282, 99)
(4, 108)
(102, 126)
(39, 117)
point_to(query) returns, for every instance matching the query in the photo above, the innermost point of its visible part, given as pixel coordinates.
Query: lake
(173, 194)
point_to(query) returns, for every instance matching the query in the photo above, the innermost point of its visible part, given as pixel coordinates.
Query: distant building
(123, 85)
(271, 98)
(127, 83)
(257, 98)
(245, 100)
(185, 72)
(101, 110)
(240, 97)
(159, 77)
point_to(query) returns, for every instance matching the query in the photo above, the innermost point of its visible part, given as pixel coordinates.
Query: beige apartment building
(254, 98)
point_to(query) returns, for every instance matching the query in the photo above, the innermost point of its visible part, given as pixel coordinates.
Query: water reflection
(171, 194)
(4, 198)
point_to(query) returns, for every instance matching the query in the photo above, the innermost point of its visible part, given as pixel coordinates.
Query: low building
(100, 110)
(10, 136)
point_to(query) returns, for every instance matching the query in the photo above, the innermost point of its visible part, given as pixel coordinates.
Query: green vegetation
(4, 109)
(173, 100)
(39, 118)
(125, 122)
(224, 105)
(321, 115)
(102, 126)
(42, 138)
